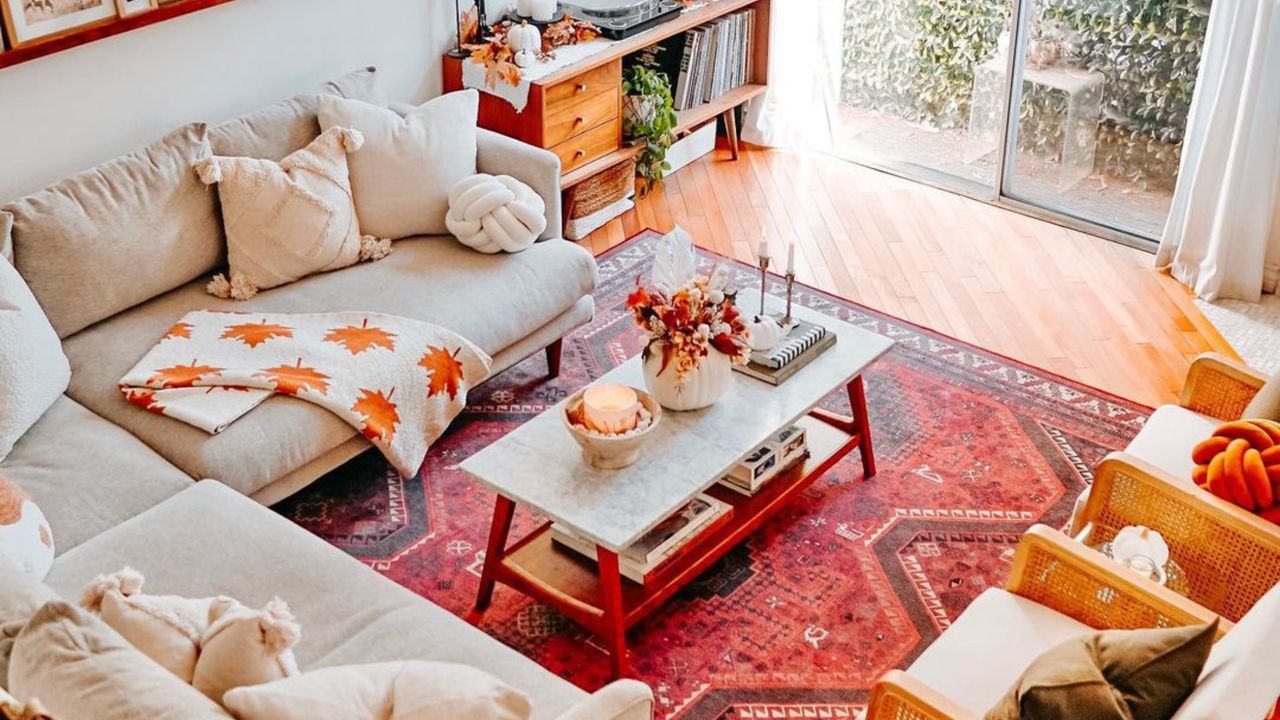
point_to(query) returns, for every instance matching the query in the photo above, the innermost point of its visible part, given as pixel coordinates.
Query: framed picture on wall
(133, 7)
(28, 21)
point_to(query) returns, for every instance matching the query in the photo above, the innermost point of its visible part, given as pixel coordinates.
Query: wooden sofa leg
(553, 358)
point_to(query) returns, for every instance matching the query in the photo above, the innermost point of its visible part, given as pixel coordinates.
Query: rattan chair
(1060, 589)
(1230, 557)
(1220, 387)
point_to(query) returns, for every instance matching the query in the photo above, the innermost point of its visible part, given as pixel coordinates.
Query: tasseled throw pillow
(215, 644)
(289, 219)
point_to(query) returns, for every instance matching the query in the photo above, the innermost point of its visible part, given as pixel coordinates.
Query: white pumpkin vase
(701, 387)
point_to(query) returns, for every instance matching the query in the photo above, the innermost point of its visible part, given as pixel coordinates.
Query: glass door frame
(998, 193)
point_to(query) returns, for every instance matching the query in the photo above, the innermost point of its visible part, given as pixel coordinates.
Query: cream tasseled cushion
(290, 219)
(492, 214)
(409, 690)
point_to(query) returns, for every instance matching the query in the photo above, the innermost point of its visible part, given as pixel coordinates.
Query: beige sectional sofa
(122, 486)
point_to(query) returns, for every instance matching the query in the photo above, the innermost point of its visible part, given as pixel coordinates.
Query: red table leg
(858, 401)
(615, 621)
(503, 511)
(859, 424)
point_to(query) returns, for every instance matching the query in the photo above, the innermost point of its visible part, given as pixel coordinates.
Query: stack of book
(804, 342)
(707, 61)
(766, 462)
(661, 544)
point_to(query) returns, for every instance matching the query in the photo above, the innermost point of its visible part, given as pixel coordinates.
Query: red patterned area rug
(856, 578)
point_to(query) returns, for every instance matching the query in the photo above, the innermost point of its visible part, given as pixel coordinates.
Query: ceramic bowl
(610, 452)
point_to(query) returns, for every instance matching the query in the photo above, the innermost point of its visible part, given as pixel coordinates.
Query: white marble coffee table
(540, 466)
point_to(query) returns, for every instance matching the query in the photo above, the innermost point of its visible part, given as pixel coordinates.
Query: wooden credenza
(576, 112)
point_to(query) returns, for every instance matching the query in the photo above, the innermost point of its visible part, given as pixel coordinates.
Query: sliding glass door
(1072, 109)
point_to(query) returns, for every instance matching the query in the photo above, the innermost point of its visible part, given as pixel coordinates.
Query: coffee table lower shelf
(584, 591)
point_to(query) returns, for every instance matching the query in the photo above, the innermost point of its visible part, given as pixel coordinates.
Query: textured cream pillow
(247, 647)
(166, 628)
(33, 369)
(410, 690)
(403, 174)
(80, 669)
(290, 219)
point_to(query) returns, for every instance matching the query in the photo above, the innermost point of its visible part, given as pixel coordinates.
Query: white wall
(75, 109)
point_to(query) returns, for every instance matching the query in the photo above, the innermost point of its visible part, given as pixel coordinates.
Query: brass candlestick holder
(791, 282)
(764, 280)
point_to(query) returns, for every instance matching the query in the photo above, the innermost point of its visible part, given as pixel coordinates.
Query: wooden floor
(1075, 304)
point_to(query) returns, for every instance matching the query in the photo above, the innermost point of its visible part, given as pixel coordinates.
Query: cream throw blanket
(398, 381)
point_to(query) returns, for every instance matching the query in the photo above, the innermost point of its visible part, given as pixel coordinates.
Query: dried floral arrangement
(499, 60)
(687, 324)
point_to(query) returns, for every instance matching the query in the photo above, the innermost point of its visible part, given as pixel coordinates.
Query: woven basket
(603, 190)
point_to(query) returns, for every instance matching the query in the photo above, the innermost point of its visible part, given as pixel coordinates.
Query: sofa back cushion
(33, 369)
(277, 131)
(82, 669)
(1240, 679)
(112, 237)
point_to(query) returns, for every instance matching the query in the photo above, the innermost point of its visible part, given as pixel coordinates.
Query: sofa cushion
(494, 301)
(402, 176)
(279, 130)
(408, 690)
(1167, 439)
(1006, 631)
(33, 369)
(23, 595)
(97, 480)
(83, 670)
(349, 614)
(1111, 675)
(289, 219)
(109, 238)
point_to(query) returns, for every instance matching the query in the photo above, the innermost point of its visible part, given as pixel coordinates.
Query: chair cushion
(1240, 678)
(82, 670)
(1111, 675)
(261, 555)
(1006, 631)
(1167, 439)
(279, 130)
(109, 238)
(492, 300)
(402, 176)
(33, 369)
(1266, 404)
(86, 474)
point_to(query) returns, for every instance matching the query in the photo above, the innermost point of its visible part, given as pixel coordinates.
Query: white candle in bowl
(610, 408)
(543, 10)
(524, 8)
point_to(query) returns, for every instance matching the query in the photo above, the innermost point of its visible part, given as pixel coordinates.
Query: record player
(618, 19)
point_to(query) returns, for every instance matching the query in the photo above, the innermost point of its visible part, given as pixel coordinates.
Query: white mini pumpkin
(764, 332)
(525, 42)
(492, 214)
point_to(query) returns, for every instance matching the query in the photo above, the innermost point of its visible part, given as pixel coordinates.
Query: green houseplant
(648, 117)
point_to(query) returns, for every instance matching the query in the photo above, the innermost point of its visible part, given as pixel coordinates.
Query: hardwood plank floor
(1059, 299)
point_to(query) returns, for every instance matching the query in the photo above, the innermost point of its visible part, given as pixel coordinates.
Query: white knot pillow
(493, 214)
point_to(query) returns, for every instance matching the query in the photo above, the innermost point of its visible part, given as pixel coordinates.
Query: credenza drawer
(595, 143)
(579, 118)
(606, 78)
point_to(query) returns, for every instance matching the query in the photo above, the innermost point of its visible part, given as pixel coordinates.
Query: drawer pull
(579, 120)
(580, 154)
(582, 87)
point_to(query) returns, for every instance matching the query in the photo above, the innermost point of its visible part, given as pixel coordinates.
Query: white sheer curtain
(799, 108)
(1223, 234)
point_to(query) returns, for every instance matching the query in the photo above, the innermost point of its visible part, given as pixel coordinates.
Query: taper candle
(791, 259)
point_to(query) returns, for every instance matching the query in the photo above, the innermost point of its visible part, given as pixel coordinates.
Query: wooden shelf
(540, 568)
(102, 29)
(687, 120)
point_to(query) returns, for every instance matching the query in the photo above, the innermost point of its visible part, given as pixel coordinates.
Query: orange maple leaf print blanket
(400, 382)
